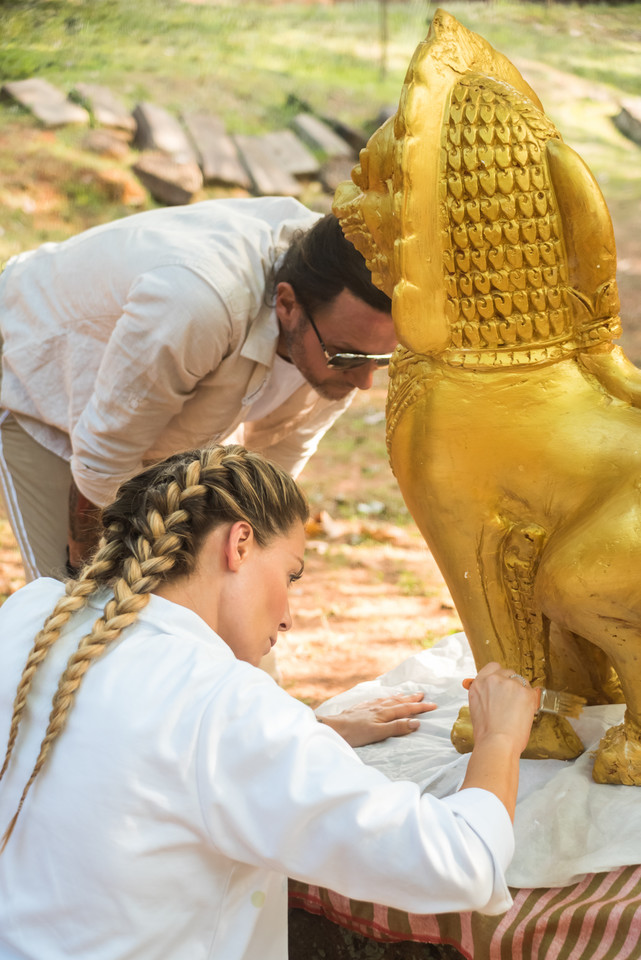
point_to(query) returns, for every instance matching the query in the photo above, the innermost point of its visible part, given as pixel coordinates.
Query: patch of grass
(336, 558)
(247, 58)
(351, 466)
(308, 701)
(594, 41)
(52, 188)
(428, 640)
(245, 61)
(412, 585)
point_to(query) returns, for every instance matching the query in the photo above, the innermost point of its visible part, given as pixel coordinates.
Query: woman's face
(255, 607)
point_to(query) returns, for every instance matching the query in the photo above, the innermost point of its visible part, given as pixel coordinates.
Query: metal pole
(384, 37)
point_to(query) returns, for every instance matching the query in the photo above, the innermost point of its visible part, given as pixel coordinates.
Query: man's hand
(377, 720)
(84, 528)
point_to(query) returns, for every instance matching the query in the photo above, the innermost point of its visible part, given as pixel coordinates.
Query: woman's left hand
(377, 720)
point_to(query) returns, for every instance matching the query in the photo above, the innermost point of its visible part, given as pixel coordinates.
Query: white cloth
(153, 334)
(566, 825)
(186, 787)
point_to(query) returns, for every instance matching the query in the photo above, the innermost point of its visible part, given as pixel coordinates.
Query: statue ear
(585, 226)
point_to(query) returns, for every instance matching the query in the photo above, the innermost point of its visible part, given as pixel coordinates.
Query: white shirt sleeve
(174, 329)
(281, 791)
(294, 450)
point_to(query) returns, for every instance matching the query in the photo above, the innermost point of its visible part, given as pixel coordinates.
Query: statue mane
(479, 246)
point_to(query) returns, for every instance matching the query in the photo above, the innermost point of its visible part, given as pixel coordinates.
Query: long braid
(77, 593)
(153, 532)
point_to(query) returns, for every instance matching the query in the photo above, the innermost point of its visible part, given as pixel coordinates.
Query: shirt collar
(262, 339)
(169, 617)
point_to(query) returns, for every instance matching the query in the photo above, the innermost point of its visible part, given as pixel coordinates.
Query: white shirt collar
(172, 618)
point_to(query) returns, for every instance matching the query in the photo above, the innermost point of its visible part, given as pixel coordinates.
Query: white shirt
(154, 334)
(284, 379)
(184, 790)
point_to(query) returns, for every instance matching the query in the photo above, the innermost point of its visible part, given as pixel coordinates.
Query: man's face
(346, 325)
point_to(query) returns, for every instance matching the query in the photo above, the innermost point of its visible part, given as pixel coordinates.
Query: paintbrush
(552, 701)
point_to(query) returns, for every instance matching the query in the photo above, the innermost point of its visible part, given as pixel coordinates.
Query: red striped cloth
(596, 919)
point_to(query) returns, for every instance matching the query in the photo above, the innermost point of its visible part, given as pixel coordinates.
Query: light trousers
(35, 487)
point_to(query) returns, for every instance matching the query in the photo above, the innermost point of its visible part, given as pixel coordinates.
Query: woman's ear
(239, 542)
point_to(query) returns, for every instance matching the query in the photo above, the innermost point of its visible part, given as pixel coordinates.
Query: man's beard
(327, 388)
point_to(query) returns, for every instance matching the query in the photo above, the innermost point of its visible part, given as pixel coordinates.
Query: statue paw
(462, 736)
(552, 737)
(618, 758)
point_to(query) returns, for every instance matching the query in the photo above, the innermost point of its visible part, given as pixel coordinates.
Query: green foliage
(411, 585)
(428, 640)
(595, 41)
(314, 49)
(356, 455)
(246, 58)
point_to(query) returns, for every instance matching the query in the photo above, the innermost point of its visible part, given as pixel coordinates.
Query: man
(165, 331)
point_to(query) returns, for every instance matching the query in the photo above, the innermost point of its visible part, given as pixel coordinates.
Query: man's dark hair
(320, 263)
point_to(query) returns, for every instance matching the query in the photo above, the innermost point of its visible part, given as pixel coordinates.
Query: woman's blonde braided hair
(152, 534)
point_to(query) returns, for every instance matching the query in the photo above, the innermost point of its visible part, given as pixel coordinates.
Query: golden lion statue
(513, 421)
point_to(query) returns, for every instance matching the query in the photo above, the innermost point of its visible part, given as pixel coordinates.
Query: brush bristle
(563, 704)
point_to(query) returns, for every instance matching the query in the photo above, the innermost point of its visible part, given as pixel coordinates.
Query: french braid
(153, 532)
(77, 592)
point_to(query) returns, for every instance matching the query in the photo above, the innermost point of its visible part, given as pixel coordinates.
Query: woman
(159, 809)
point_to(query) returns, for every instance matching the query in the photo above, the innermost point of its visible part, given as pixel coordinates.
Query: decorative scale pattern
(504, 259)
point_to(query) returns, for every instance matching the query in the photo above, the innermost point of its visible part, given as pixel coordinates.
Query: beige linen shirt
(154, 334)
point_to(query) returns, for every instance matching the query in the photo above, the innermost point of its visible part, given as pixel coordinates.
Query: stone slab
(290, 153)
(110, 143)
(385, 113)
(356, 138)
(335, 171)
(217, 153)
(159, 130)
(628, 120)
(46, 102)
(266, 174)
(168, 181)
(108, 109)
(320, 136)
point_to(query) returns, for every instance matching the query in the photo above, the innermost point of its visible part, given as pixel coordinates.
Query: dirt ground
(361, 608)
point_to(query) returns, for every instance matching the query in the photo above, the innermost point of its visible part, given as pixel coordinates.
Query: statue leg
(494, 596)
(577, 666)
(496, 602)
(588, 584)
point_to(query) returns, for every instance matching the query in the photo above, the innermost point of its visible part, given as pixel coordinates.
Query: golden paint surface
(513, 421)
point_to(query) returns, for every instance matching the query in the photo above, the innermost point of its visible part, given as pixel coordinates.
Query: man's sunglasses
(347, 361)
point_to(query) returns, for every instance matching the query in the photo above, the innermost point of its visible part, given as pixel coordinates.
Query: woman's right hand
(502, 711)
(501, 704)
